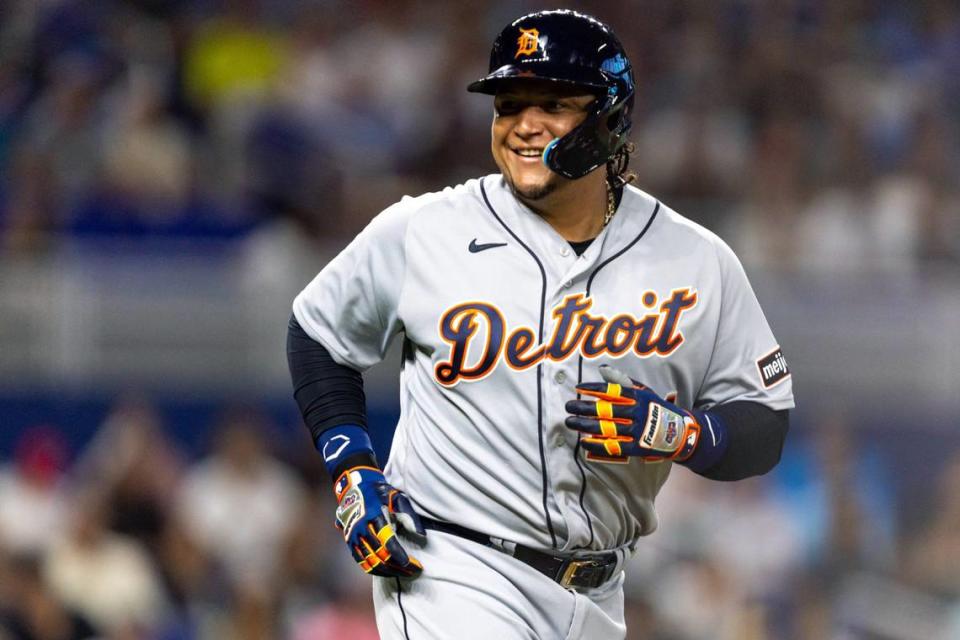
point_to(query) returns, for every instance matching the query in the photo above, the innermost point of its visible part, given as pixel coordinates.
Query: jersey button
(560, 378)
(568, 284)
(565, 251)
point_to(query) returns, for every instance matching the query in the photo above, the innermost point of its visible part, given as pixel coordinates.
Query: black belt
(585, 573)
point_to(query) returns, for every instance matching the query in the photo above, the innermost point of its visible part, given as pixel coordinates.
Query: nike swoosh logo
(477, 248)
(327, 457)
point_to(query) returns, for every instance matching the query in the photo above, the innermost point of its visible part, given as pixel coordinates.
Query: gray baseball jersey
(501, 320)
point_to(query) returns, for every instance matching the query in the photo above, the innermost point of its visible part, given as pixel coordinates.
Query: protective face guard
(591, 143)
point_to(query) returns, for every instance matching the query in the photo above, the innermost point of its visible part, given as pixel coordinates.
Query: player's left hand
(368, 511)
(626, 418)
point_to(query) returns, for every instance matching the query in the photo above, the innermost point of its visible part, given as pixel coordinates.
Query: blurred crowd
(811, 134)
(134, 538)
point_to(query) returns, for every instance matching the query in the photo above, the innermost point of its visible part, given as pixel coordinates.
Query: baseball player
(567, 340)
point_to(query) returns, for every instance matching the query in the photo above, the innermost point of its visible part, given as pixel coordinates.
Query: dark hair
(618, 174)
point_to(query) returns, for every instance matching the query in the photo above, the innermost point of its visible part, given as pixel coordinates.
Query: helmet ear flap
(576, 154)
(591, 143)
(612, 121)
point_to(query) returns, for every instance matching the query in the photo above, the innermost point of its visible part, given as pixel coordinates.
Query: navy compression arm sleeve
(328, 394)
(755, 435)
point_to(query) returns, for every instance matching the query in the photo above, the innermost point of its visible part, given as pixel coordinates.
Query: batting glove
(627, 418)
(369, 511)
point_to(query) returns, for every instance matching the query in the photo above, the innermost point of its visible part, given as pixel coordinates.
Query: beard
(535, 192)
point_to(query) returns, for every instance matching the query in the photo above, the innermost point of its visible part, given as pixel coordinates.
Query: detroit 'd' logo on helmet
(528, 43)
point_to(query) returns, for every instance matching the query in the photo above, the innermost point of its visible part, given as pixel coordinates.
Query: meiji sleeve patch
(773, 368)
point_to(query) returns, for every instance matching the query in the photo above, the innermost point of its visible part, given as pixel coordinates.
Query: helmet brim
(589, 79)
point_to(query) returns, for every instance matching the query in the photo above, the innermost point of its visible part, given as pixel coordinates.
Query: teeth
(529, 153)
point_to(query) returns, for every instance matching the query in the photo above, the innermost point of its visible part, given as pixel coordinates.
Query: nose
(529, 122)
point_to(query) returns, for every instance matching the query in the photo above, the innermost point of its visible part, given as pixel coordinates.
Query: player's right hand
(369, 510)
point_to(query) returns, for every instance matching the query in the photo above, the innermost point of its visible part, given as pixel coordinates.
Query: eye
(554, 106)
(506, 107)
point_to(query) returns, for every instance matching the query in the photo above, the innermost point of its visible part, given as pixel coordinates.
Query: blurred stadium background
(172, 172)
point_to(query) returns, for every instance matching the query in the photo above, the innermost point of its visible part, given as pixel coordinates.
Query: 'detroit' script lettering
(575, 331)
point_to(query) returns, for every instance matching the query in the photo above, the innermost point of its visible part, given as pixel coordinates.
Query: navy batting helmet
(575, 49)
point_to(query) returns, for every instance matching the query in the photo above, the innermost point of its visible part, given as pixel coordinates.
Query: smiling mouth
(528, 153)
